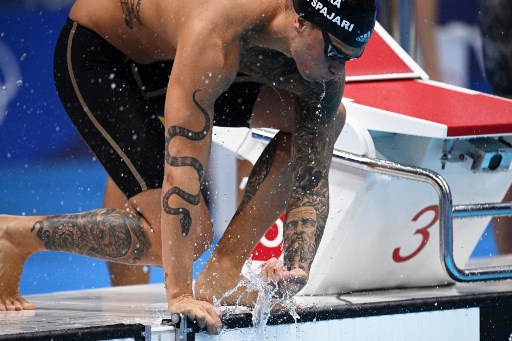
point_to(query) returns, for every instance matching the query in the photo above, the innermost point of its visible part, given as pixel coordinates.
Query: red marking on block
(271, 245)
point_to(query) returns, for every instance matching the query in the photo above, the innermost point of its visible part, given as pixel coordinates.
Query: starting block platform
(466, 311)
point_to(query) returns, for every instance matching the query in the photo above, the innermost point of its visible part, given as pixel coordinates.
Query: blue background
(45, 167)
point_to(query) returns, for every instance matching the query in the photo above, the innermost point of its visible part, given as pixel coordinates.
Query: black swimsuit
(117, 106)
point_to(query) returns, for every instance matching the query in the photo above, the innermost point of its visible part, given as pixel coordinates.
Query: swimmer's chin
(314, 78)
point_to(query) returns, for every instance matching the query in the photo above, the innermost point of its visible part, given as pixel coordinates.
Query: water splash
(271, 296)
(322, 96)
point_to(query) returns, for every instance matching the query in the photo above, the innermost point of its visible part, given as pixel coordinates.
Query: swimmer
(144, 82)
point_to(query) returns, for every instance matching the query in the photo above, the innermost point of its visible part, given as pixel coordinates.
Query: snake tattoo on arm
(185, 161)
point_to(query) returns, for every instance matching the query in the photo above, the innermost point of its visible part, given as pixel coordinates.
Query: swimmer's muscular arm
(202, 69)
(313, 144)
(309, 202)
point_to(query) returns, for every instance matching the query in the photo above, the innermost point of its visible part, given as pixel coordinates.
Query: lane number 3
(423, 232)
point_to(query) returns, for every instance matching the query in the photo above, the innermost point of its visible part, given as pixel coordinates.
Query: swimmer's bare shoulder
(149, 30)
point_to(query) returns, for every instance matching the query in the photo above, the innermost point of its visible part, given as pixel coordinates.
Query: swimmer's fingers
(292, 282)
(200, 311)
(297, 275)
(273, 270)
(205, 318)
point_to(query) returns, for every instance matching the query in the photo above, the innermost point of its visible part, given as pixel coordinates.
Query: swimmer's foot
(12, 259)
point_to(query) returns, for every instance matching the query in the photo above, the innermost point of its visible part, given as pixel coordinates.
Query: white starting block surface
(469, 312)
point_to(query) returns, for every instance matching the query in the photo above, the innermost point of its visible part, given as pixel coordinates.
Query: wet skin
(169, 227)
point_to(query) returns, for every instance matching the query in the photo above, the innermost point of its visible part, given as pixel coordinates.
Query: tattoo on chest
(104, 233)
(185, 161)
(131, 9)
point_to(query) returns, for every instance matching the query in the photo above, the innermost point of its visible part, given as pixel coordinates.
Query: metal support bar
(478, 210)
(446, 212)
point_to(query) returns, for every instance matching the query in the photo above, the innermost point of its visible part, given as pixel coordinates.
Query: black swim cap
(351, 21)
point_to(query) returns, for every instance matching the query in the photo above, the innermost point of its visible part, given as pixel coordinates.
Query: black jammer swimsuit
(117, 106)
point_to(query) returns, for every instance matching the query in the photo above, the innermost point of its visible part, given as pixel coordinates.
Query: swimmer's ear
(300, 23)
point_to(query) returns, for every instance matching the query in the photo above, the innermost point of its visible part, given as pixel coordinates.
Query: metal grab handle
(446, 212)
(185, 330)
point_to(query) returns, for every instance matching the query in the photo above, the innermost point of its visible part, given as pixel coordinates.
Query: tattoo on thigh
(130, 10)
(193, 199)
(106, 233)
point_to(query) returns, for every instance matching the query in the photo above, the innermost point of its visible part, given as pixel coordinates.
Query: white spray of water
(322, 96)
(270, 295)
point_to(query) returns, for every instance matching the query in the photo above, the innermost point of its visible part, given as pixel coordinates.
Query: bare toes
(18, 305)
(27, 305)
(11, 307)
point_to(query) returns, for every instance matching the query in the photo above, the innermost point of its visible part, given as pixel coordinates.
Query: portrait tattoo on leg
(105, 233)
(185, 161)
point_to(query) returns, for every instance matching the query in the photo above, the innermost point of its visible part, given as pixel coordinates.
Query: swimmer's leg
(130, 236)
(122, 274)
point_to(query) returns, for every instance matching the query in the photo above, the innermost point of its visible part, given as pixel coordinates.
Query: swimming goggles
(331, 52)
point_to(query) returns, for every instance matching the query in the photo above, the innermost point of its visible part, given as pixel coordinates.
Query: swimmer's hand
(200, 311)
(289, 282)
